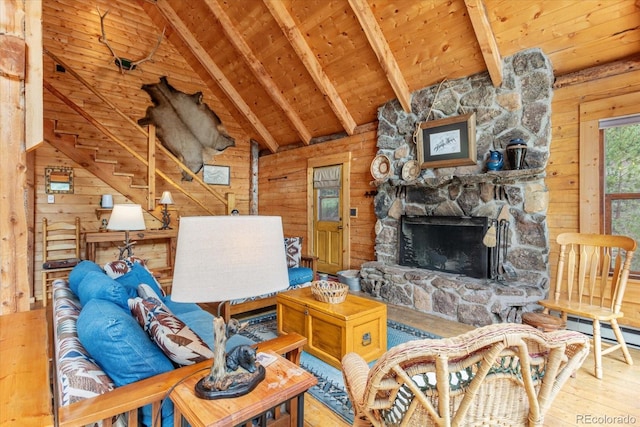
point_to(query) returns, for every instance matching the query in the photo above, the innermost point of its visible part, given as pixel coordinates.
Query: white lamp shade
(126, 218)
(221, 258)
(166, 198)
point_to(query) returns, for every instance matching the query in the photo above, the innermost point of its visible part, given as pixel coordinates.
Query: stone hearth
(519, 108)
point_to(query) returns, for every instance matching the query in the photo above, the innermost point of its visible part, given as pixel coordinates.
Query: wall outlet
(51, 198)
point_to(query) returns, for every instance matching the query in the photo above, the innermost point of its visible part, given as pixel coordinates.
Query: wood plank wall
(71, 32)
(563, 171)
(282, 188)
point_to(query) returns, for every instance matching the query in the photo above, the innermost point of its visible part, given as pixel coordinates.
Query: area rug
(330, 389)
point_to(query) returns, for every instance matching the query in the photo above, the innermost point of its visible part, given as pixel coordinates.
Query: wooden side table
(284, 382)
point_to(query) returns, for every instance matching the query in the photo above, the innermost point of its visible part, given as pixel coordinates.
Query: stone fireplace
(519, 108)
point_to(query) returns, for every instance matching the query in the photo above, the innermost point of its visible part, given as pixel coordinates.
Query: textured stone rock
(445, 303)
(473, 314)
(401, 152)
(536, 198)
(396, 209)
(422, 300)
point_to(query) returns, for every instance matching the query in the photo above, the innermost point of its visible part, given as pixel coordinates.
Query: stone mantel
(503, 177)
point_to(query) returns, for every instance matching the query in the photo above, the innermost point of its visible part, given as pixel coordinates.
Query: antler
(123, 63)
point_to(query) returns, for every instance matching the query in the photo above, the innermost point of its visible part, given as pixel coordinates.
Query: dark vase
(516, 152)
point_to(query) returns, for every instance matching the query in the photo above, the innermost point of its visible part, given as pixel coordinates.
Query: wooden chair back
(503, 374)
(593, 270)
(60, 252)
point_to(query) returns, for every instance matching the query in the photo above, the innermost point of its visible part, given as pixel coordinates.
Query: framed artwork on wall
(58, 180)
(447, 142)
(216, 175)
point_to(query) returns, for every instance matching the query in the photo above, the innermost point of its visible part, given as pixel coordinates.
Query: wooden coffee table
(332, 330)
(284, 382)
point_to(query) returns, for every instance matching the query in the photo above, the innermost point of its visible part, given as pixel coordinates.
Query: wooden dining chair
(60, 252)
(591, 278)
(502, 374)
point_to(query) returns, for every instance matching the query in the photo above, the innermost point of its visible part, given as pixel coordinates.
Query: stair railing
(228, 202)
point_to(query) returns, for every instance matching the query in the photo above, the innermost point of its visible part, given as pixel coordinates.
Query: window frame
(591, 148)
(591, 193)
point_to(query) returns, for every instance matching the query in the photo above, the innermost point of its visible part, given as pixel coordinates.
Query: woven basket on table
(331, 292)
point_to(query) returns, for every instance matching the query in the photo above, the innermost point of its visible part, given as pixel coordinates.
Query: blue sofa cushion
(99, 285)
(122, 349)
(299, 275)
(179, 308)
(139, 274)
(79, 271)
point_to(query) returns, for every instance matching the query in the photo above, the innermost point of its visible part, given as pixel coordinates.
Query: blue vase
(495, 161)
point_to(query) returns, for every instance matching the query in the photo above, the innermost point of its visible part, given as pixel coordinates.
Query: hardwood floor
(584, 400)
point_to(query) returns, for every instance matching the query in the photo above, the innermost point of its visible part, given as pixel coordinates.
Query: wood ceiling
(296, 72)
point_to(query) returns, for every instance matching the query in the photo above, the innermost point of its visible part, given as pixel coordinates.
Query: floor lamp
(222, 258)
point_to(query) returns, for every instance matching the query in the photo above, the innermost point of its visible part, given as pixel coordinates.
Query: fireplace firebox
(445, 243)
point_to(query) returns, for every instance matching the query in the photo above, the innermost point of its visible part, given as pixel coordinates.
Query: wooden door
(327, 228)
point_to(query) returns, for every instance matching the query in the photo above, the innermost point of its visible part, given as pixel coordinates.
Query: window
(620, 187)
(328, 204)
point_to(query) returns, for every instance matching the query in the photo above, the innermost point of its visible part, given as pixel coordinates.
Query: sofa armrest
(126, 399)
(289, 346)
(311, 262)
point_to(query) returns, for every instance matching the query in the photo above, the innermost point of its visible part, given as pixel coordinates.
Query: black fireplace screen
(445, 243)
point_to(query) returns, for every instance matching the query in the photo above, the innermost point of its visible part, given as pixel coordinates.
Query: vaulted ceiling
(296, 72)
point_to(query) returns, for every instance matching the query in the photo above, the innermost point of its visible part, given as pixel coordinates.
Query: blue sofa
(99, 345)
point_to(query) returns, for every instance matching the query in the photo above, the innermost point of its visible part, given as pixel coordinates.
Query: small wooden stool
(544, 322)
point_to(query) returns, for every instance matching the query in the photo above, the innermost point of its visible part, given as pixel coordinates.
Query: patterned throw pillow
(115, 269)
(176, 340)
(293, 249)
(79, 377)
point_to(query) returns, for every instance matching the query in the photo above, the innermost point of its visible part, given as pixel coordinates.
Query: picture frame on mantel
(447, 142)
(216, 175)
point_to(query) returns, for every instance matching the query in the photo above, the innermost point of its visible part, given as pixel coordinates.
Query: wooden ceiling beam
(383, 52)
(258, 70)
(614, 68)
(306, 55)
(215, 72)
(486, 39)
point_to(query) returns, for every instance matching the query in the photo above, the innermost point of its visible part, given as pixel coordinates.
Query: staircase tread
(113, 162)
(124, 174)
(139, 186)
(65, 132)
(88, 147)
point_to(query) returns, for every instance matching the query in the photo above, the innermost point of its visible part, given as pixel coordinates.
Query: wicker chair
(503, 374)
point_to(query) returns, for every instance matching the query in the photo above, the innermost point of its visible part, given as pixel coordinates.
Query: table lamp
(165, 200)
(126, 218)
(221, 258)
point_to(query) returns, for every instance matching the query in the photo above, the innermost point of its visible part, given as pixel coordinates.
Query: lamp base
(244, 386)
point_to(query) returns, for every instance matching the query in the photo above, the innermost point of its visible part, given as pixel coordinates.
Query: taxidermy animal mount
(123, 63)
(185, 125)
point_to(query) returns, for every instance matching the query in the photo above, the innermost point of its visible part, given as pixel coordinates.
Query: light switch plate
(51, 198)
